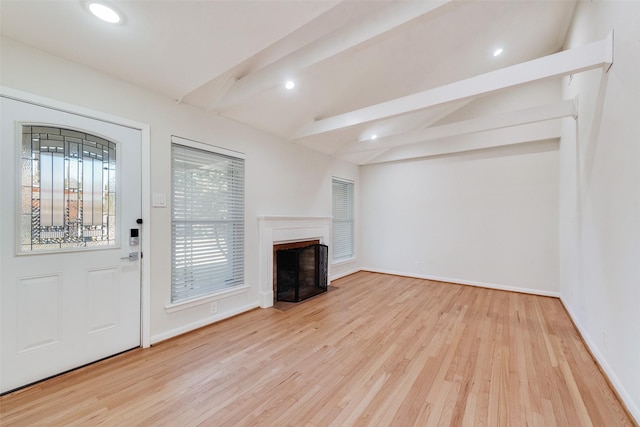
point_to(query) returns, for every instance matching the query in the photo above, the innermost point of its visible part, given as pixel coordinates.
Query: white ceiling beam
(369, 143)
(362, 158)
(593, 55)
(221, 92)
(490, 139)
(541, 113)
(332, 44)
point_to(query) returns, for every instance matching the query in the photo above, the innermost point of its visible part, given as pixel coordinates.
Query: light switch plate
(159, 201)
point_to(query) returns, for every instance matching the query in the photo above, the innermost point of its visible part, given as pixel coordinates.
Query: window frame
(350, 220)
(217, 292)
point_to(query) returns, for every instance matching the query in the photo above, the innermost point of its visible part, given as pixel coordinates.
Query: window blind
(207, 224)
(342, 219)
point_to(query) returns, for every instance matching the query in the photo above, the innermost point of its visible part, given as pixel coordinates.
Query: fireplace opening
(301, 272)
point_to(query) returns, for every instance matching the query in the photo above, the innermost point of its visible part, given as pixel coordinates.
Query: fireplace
(275, 230)
(301, 272)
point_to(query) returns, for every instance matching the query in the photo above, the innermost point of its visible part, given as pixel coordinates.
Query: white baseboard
(202, 322)
(266, 299)
(344, 273)
(468, 282)
(613, 378)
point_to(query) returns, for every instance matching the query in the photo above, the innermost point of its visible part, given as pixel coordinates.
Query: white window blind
(342, 219)
(207, 225)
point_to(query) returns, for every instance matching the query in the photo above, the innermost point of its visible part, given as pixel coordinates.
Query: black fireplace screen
(301, 272)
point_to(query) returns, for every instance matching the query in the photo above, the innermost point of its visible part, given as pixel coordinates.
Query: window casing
(342, 191)
(207, 221)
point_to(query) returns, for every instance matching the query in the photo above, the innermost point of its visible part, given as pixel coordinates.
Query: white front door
(70, 193)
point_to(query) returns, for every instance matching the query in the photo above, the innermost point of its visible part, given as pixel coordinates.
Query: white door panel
(64, 308)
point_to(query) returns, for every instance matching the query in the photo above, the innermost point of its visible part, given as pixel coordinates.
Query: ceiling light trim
(105, 12)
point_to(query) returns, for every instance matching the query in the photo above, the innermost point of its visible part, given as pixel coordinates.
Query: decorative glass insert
(68, 187)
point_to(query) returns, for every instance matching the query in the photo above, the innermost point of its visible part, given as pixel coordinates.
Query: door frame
(145, 182)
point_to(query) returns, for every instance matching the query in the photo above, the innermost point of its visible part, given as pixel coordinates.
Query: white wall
(281, 178)
(600, 197)
(487, 217)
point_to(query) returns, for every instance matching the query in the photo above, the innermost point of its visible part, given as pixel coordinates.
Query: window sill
(171, 308)
(343, 261)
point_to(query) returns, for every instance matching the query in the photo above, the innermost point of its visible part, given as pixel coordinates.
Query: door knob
(133, 256)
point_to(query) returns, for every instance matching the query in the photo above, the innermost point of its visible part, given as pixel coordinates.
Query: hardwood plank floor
(378, 350)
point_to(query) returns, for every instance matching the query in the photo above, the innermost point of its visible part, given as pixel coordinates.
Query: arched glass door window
(68, 187)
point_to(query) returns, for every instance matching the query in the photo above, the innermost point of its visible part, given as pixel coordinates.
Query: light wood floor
(380, 350)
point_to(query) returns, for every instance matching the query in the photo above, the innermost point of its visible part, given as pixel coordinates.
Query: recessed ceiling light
(290, 84)
(374, 137)
(105, 13)
(497, 51)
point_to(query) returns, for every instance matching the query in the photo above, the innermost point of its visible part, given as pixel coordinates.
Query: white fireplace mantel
(285, 229)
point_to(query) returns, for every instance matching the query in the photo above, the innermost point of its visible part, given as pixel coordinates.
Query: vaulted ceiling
(411, 72)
